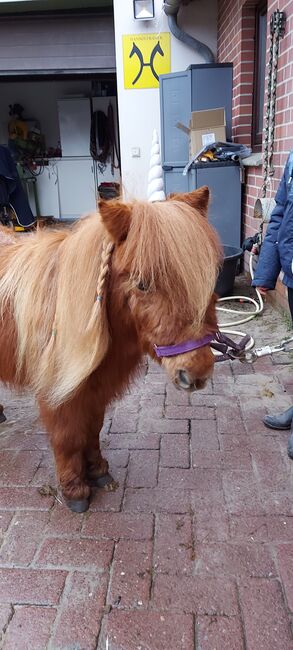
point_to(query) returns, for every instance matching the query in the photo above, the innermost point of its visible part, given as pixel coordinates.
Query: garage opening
(63, 135)
(58, 110)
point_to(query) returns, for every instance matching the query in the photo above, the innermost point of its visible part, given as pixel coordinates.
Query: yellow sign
(145, 57)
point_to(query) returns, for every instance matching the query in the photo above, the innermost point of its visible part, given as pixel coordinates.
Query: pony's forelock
(172, 248)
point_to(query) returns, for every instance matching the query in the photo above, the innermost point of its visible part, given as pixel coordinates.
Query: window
(259, 75)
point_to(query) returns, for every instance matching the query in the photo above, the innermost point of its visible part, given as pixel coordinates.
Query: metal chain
(267, 118)
(274, 92)
(277, 30)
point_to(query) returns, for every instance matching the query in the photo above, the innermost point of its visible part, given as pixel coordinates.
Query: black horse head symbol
(156, 50)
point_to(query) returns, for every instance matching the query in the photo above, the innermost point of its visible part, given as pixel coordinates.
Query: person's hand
(263, 291)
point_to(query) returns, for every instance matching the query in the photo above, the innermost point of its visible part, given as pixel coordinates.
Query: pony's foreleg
(97, 468)
(68, 429)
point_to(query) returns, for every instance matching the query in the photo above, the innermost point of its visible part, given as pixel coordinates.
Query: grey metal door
(175, 107)
(53, 43)
(225, 206)
(211, 87)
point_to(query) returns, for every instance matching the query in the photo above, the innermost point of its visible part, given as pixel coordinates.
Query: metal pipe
(171, 8)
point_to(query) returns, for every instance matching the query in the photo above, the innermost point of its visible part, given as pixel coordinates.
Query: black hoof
(2, 418)
(79, 506)
(101, 481)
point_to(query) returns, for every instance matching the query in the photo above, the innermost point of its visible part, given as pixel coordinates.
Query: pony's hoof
(2, 418)
(101, 481)
(77, 505)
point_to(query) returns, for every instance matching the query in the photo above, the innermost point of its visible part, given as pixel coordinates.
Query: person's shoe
(2, 416)
(290, 443)
(282, 421)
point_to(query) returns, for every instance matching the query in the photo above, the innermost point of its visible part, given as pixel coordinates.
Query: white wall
(139, 109)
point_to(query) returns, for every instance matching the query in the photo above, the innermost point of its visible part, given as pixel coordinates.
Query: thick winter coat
(277, 249)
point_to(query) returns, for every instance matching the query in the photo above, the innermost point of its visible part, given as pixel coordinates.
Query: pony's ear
(198, 199)
(116, 218)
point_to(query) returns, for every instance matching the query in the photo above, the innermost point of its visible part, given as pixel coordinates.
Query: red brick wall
(236, 26)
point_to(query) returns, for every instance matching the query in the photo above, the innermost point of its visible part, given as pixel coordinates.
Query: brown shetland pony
(81, 307)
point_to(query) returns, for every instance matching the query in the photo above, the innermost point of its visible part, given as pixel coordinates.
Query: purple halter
(218, 341)
(181, 348)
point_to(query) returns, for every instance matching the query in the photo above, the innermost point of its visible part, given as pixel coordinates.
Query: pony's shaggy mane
(48, 281)
(170, 246)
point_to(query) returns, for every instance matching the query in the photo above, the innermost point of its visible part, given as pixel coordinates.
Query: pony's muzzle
(184, 381)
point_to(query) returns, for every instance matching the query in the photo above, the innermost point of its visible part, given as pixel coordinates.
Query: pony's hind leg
(97, 467)
(67, 427)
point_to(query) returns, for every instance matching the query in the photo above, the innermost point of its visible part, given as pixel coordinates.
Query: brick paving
(194, 550)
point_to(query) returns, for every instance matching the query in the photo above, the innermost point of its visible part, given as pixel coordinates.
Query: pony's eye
(142, 286)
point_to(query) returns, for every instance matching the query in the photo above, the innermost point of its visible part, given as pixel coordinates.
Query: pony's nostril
(183, 379)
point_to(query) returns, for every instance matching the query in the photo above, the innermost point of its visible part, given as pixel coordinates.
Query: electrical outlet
(135, 152)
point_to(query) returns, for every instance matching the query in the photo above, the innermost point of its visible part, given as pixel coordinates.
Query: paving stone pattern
(194, 550)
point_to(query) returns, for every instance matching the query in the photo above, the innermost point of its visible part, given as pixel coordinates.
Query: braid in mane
(88, 348)
(107, 251)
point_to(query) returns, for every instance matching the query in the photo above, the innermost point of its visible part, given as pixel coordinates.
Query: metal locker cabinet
(223, 180)
(200, 87)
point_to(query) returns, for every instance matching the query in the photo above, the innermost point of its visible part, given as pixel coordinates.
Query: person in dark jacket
(11, 191)
(276, 255)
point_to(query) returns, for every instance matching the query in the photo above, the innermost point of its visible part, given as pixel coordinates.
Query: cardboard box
(205, 127)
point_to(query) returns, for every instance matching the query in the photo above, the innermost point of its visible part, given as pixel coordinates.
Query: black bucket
(226, 278)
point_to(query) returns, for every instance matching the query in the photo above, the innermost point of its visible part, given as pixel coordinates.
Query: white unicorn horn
(155, 177)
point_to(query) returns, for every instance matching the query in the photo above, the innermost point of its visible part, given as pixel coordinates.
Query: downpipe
(171, 8)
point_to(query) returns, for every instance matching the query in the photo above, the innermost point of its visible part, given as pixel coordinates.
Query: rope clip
(266, 350)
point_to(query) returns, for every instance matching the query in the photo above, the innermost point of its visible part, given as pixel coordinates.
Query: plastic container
(109, 190)
(226, 278)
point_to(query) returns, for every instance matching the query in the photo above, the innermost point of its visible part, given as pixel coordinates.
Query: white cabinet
(76, 183)
(47, 188)
(45, 183)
